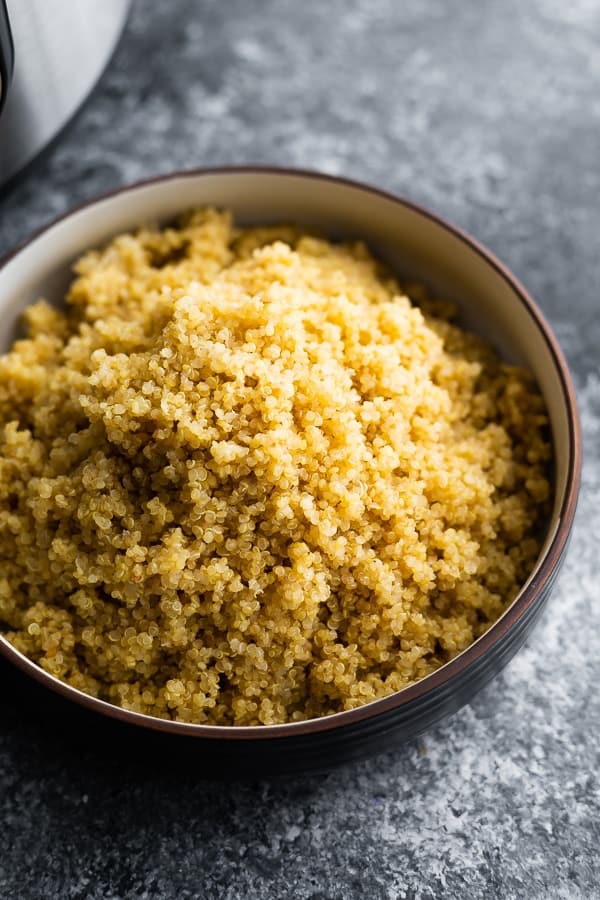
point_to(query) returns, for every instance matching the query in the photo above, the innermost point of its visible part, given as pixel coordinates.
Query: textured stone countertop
(490, 114)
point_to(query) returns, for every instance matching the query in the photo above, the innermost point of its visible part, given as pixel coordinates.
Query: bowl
(419, 245)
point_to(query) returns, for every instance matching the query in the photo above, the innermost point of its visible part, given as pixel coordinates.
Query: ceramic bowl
(416, 243)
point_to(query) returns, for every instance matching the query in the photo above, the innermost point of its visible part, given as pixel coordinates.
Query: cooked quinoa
(247, 478)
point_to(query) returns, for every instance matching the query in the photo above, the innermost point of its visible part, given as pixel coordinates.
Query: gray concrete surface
(489, 112)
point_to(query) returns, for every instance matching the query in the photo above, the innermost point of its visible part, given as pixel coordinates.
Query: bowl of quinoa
(262, 469)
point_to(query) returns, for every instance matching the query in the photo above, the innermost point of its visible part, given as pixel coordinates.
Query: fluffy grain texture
(247, 480)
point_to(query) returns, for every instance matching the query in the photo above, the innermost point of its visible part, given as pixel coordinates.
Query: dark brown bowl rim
(451, 670)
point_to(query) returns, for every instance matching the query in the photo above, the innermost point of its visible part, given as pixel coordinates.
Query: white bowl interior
(414, 244)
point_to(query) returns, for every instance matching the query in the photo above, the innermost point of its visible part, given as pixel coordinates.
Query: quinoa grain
(246, 479)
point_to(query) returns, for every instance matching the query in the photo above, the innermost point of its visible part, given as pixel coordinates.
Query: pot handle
(7, 53)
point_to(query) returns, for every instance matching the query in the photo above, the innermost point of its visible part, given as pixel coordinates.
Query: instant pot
(51, 55)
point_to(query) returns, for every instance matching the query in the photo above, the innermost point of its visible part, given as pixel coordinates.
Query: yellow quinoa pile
(245, 479)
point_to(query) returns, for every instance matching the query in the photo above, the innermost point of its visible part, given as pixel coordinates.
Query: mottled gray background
(488, 111)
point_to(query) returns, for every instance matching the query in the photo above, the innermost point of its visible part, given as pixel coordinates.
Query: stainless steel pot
(51, 55)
